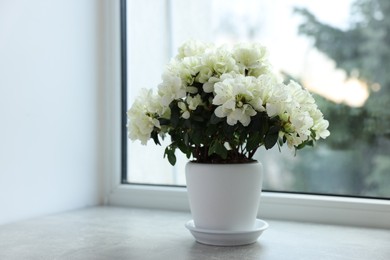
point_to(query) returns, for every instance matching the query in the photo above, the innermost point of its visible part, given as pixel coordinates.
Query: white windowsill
(296, 207)
(129, 233)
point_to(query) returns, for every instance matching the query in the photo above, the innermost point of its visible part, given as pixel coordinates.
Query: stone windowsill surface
(127, 233)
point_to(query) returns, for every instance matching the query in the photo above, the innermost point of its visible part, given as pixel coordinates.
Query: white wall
(50, 91)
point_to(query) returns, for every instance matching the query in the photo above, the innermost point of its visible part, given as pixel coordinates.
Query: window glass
(339, 51)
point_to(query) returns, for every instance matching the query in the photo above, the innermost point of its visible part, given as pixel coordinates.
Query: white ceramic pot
(224, 196)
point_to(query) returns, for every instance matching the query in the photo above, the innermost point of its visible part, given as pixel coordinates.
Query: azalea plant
(220, 104)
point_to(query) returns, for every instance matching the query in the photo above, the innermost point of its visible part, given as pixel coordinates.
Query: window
(339, 53)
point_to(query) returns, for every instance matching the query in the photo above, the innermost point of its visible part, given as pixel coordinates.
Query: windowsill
(129, 233)
(290, 207)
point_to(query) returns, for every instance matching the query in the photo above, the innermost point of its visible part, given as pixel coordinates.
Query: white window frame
(293, 207)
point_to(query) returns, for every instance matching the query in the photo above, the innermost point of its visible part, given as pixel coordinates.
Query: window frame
(367, 212)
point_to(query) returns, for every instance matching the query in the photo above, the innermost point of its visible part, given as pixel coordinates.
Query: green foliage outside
(359, 163)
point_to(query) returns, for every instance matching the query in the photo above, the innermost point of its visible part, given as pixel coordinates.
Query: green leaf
(255, 123)
(228, 130)
(175, 114)
(306, 143)
(212, 148)
(197, 118)
(211, 130)
(186, 138)
(189, 153)
(254, 141)
(312, 134)
(196, 136)
(218, 148)
(164, 121)
(272, 137)
(184, 148)
(259, 123)
(264, 124)
(187, 123)
(171, 155)
(281, 141)
(154, 136)
(274, 129)
(172, 158)
(221, 150)
(214, 119)
(270, 141)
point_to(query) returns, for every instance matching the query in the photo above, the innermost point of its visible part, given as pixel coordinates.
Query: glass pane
(339, 51)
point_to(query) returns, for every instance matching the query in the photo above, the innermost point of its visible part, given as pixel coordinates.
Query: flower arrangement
(220, 105)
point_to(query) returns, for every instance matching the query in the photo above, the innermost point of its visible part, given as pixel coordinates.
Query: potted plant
(219, 106)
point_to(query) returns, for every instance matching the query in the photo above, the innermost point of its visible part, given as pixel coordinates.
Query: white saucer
(227, 238)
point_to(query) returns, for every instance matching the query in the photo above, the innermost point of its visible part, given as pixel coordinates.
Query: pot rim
(226, 163)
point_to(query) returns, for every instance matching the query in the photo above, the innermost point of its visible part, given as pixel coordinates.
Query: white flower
(194, 102)
(296, 128)
(192, 64)
(170, 89)
(241, 114)
(190, 104)
(273, 94)
(219, 61)
(141, 120)
(235, 99)
(208, 87)
(183, 110)
(302, 122)
(321, 129)
(224, 61)
(205, 74)
(320, 125)
(301, 116)
(265, 68)
(301, 97)
(275, 109)
(293, 139)
(250, 55)
(305, 103)
(192, 48)
(185, 69)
